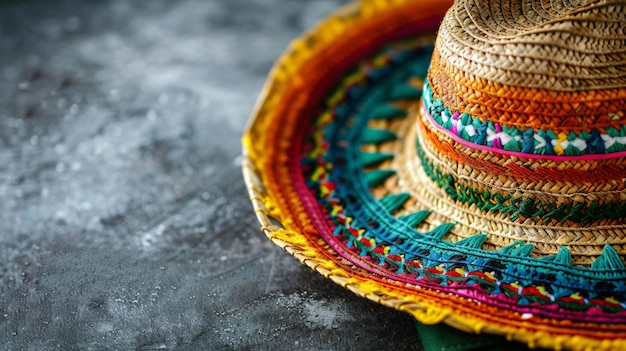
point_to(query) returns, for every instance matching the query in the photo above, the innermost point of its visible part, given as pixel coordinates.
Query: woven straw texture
(545, 78)
(558, 45)
(440, 207)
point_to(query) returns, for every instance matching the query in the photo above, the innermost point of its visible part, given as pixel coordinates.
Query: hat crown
(547, 67)
(525, 124)
(555, 45)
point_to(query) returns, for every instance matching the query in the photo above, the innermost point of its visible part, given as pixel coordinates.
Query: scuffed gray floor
(124, 221)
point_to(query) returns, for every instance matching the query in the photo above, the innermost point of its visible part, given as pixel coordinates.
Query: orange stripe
(484, 161)
(526, 107)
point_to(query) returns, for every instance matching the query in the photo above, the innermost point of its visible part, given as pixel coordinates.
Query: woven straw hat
(476, 177)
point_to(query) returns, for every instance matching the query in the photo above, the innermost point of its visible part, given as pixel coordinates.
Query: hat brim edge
(422, 309)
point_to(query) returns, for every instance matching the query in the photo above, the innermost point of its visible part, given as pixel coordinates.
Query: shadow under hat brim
(298, 83)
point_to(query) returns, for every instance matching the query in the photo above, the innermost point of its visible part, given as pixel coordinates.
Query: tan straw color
(557, 66)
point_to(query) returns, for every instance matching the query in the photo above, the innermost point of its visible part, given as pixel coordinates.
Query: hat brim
(275, 152)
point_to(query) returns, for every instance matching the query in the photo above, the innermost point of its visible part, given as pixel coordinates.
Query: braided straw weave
(496, 203)
(538, 68)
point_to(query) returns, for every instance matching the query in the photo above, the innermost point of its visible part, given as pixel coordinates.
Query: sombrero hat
(476, 177)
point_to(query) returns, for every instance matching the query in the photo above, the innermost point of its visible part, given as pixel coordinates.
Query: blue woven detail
(474, 241)
(394, 201)
(564, 257)
(440, 231)
(518, 249)
(415, 219)
(609, 260)
(374, 158)
(377, 177)
(388, 112)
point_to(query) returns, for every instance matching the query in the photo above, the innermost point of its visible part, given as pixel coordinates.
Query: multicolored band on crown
(490, 193)
(547, 200)
(609, 142)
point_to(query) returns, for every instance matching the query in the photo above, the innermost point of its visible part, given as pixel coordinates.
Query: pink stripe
(470, 145)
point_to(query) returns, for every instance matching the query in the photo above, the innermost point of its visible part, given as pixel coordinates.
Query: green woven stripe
(440, 337)
(516, 207)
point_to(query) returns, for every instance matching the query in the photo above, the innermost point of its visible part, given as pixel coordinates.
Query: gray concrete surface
(124, 221)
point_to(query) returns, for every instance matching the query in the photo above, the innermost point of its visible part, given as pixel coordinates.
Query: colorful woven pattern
(389, 198)
(521, 135)
(525, 140)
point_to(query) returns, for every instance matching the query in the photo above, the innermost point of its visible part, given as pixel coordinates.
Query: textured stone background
(124, 221)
